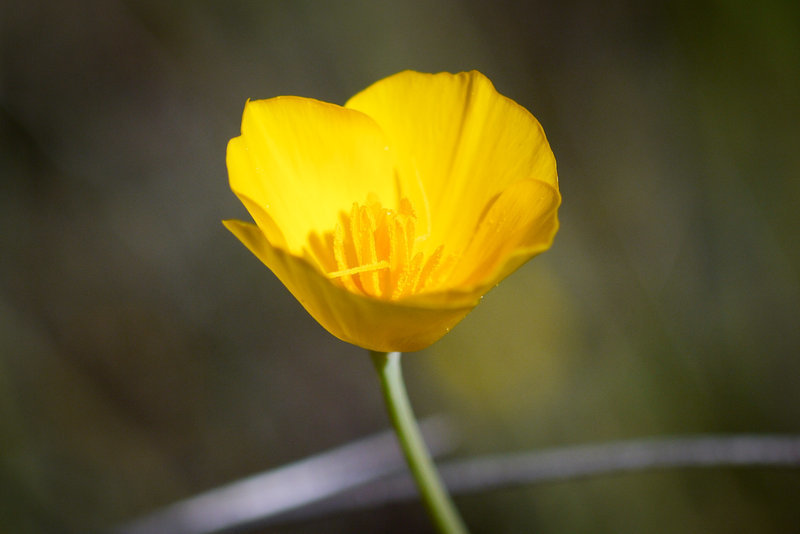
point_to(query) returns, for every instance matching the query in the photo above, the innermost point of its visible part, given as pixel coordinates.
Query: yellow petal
(367, 322)
(303, 161)
(515, 226)
(458, 143)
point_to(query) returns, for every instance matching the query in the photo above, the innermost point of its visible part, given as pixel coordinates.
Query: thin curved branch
(373, 487)
(561, 464)
(260, 497)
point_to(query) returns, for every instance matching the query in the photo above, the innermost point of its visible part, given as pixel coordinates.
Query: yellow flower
(390, 217)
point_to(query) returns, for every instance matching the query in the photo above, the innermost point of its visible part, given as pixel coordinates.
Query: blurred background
(146, 355)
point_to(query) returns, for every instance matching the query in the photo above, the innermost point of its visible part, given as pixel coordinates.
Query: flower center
(376, 251)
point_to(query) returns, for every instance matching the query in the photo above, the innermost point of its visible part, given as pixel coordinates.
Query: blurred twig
(502, 471)
(299, 484)
(637, 455)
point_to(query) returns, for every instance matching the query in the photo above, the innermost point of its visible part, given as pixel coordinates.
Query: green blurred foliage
(145, 355)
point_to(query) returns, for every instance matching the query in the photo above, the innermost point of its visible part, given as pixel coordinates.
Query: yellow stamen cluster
(375, 251)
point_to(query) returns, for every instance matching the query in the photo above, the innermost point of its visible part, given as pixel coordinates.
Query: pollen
(376, 251)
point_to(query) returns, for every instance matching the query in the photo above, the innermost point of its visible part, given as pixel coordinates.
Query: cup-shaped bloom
(390, 217)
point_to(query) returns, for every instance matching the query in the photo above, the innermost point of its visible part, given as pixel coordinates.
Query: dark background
(146, 355)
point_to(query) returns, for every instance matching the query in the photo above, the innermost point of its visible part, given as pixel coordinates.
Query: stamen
(362, 269)
(372, 251)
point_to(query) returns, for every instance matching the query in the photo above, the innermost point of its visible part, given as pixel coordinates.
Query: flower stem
(434, 495)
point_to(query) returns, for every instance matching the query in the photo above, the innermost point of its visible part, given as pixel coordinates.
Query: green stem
(434, 495)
